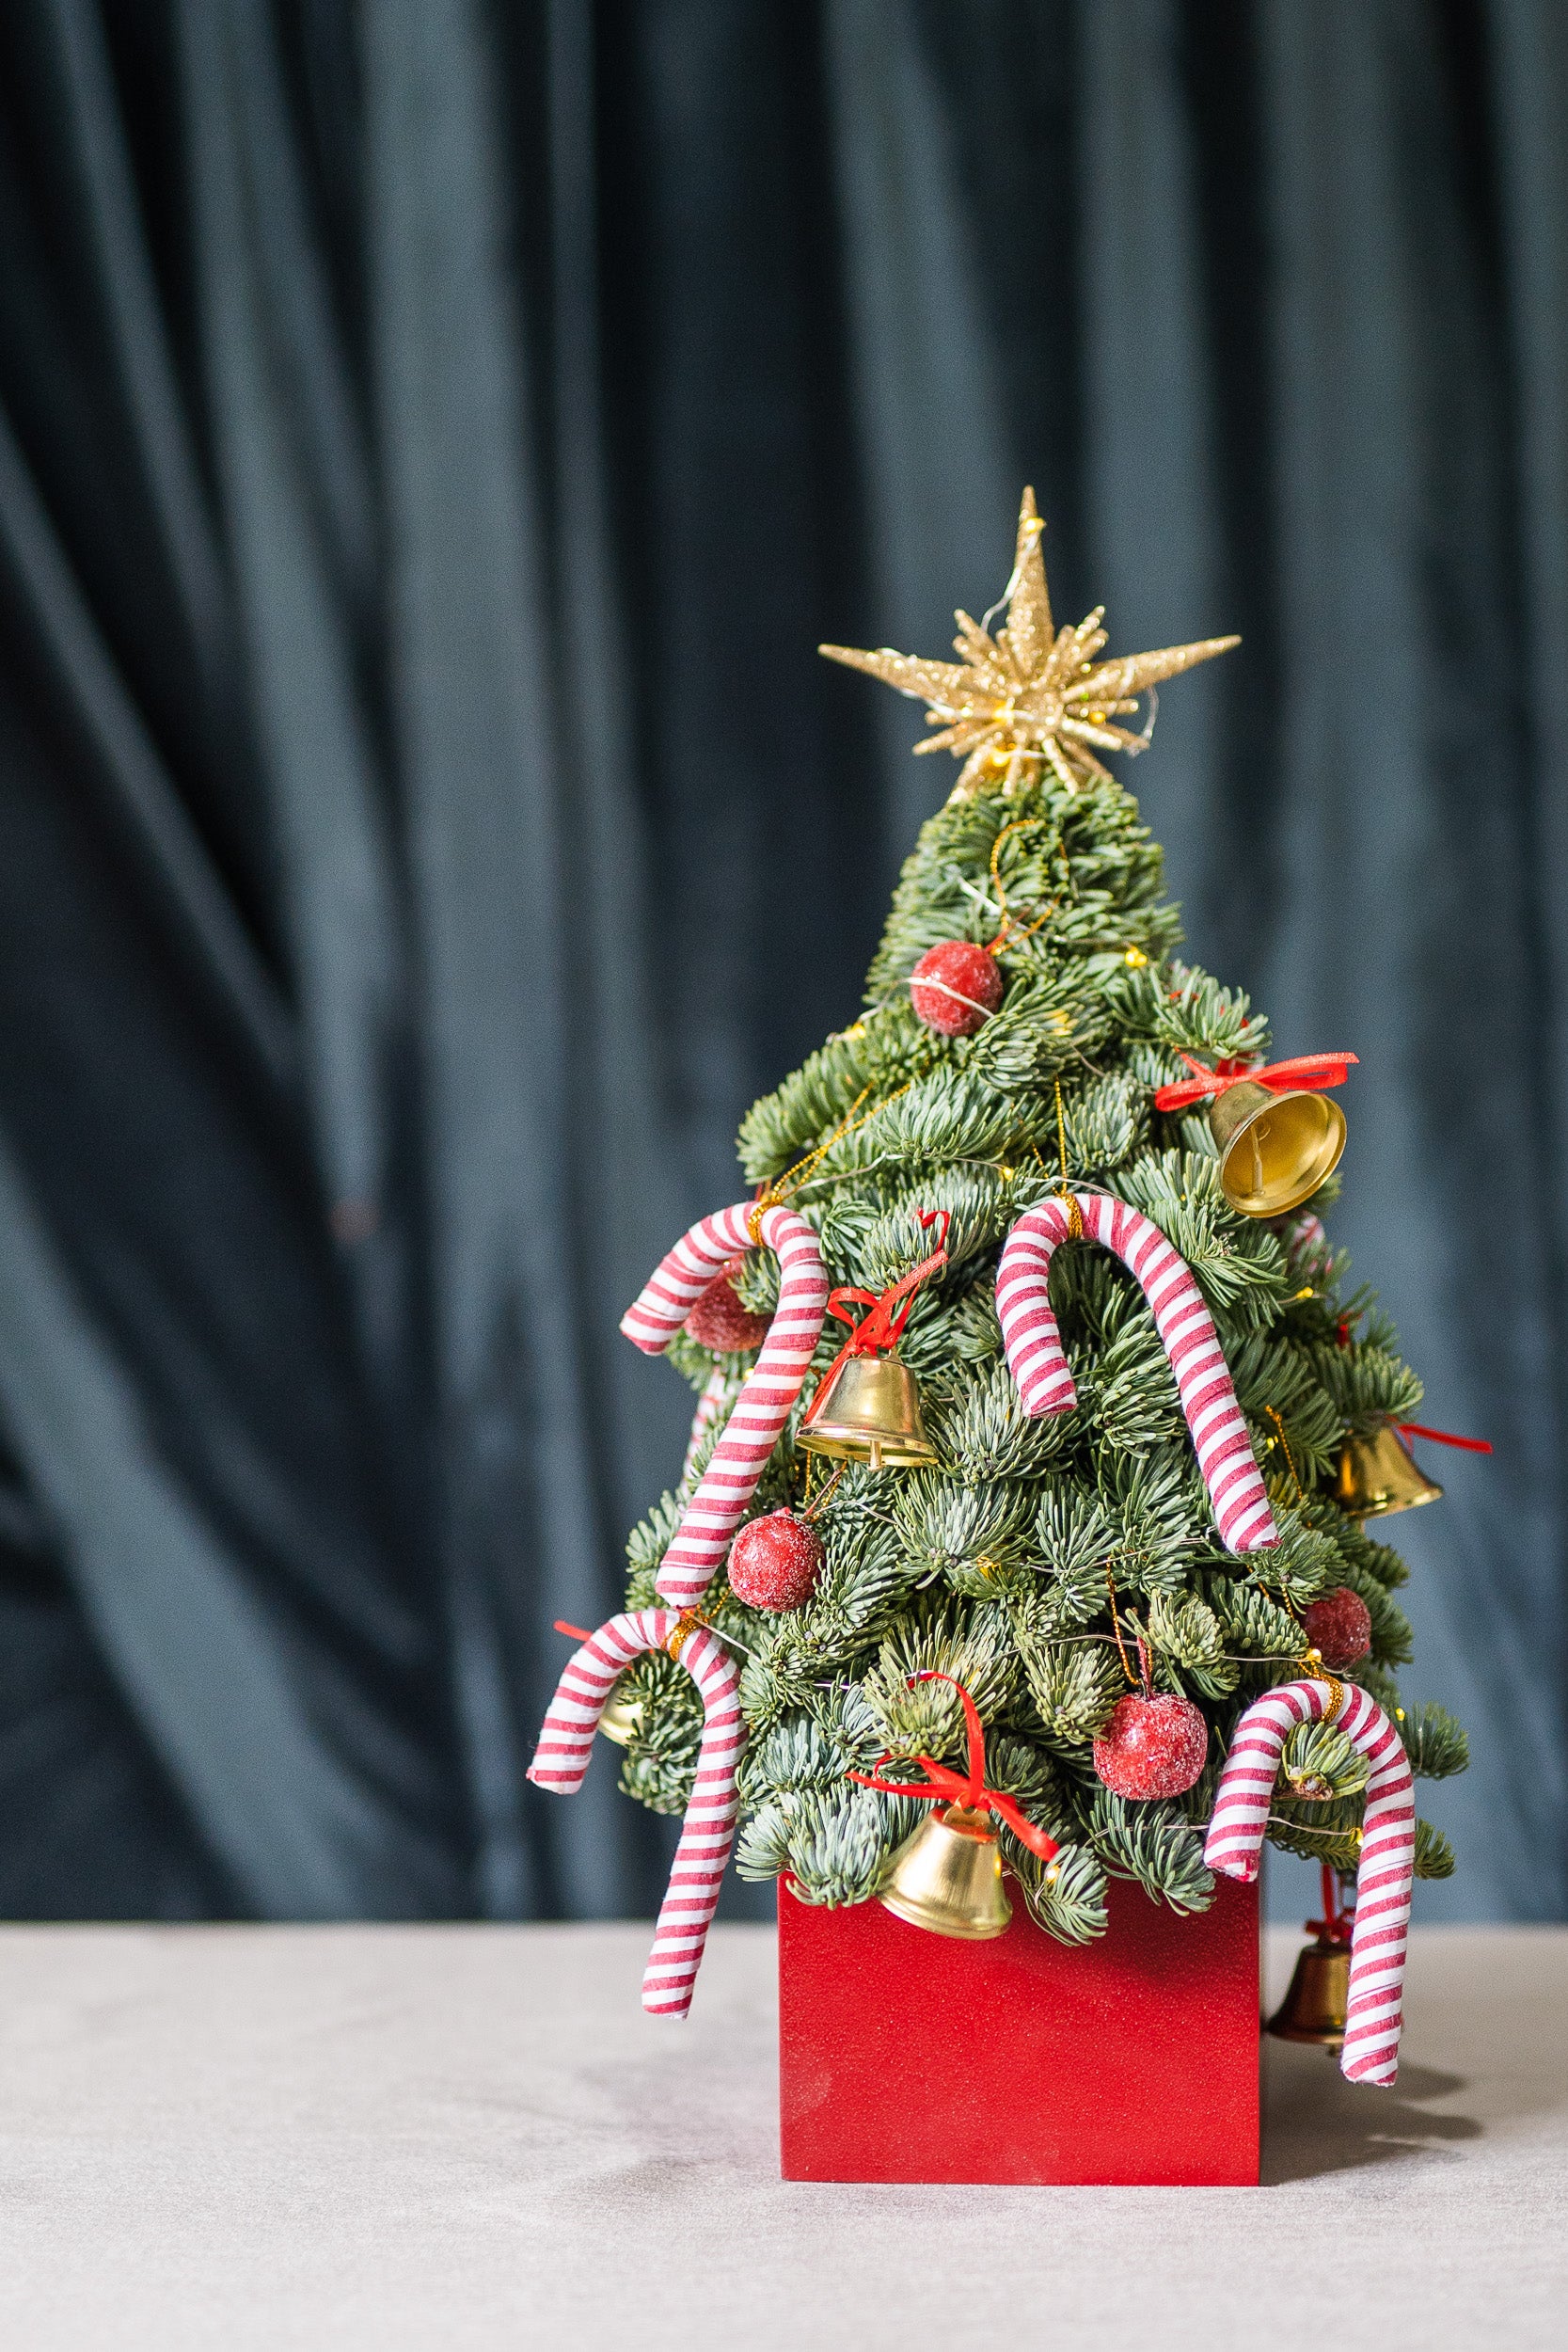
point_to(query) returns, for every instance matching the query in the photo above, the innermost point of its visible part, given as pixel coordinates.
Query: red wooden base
(905, 2056)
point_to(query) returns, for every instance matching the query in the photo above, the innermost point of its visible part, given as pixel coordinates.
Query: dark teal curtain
(434, 437)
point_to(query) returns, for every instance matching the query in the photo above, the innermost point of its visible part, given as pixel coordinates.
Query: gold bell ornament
(947, 1876)
(869, 1410)
(1379, 1474)
(1277, 1136)
(867, 1407)
(620, 1717)
(1314, 2007)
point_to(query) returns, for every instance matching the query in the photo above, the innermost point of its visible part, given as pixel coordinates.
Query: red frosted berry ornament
(717, 1320)
(955, 987)
(775, 1562)
(1152, 1746)
(1339, 1627)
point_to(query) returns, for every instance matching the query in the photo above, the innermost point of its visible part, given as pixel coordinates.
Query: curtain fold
(434, 437)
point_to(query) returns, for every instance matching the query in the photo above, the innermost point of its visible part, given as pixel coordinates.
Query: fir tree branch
(1153, 1844)
(1435, 1744)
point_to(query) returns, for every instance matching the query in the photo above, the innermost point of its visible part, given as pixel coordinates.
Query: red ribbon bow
(1336, 1924)
(883, 1328)
(944, 1785)
(1310, 1071)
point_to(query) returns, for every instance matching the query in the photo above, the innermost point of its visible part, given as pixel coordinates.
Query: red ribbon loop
(883, 1328)
(1443, 1436)
(1336, 1924)
(1311, 1072)
(942, 1785)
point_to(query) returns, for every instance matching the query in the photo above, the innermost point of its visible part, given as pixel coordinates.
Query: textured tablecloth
(455, 2138)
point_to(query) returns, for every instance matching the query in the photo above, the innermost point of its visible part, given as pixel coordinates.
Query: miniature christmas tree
(1026, 1017)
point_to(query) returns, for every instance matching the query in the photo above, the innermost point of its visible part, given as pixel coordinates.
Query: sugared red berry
(1152, 1747)
(1339, 1627)
(717, 1319)
(955, 987)
(775, 1562)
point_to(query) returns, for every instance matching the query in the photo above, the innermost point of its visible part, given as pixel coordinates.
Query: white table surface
(456, 2137)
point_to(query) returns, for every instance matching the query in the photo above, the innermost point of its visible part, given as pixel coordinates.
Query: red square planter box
(1133, 2061)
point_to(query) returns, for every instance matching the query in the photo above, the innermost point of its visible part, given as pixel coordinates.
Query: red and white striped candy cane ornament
(771, 1386)
(1183, 1322)
(707, 1832)
(1387, 1866)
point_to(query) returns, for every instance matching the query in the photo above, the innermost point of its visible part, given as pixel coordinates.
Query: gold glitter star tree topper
(1032, 693)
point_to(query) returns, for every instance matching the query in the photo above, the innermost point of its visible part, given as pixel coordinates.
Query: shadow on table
(1315, 2123)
